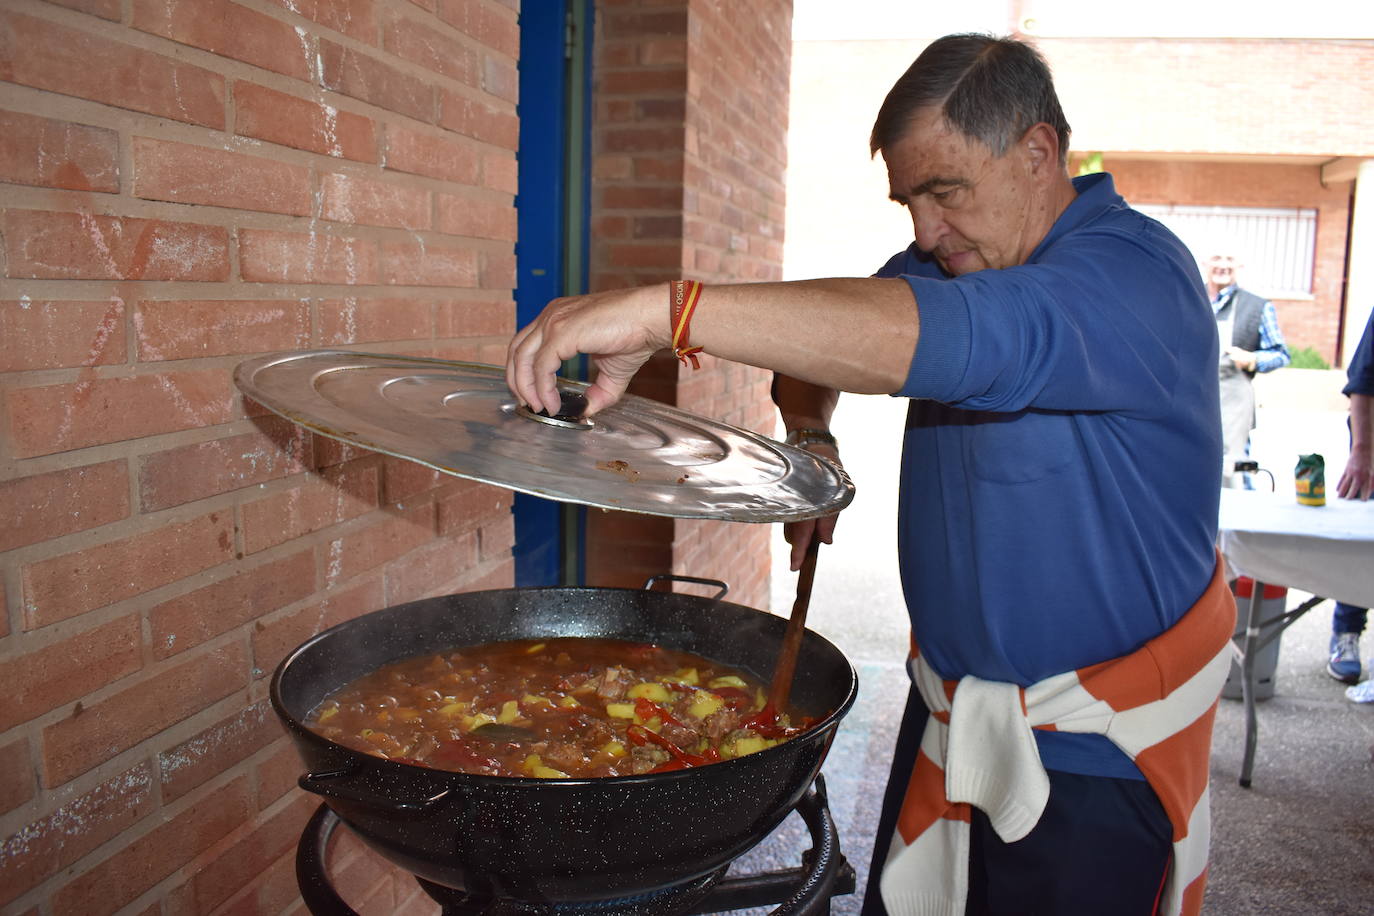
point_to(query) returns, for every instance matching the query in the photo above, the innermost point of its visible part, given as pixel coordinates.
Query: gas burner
(802, 891)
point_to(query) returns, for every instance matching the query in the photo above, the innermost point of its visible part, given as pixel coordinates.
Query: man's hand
(1244, 359)
(1358, 480)
(800, 534)
(620, 329)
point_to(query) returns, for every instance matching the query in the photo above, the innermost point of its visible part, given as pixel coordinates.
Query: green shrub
(1307, 358)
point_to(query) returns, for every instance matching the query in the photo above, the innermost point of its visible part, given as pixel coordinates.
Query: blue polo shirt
(1062, 456)
(1360, 373)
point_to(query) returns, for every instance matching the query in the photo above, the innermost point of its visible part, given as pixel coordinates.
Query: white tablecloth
(1325, 550)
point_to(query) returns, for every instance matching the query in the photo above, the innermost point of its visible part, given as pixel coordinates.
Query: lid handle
(570, 412)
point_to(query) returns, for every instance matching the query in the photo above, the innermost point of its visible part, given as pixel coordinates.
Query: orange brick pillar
(689, 154)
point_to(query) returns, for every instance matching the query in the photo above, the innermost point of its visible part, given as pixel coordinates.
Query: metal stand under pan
(802, 891)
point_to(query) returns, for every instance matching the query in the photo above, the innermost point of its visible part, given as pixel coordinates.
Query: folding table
(1272, 538)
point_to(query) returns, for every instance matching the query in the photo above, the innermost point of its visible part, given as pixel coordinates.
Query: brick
(274, 891)
(416, 262)
(270, 256)
(43, 679)
(461, 318)
(643, 255)
(336, 494)
(477, 120)
(57, 154)
(492, 27)
(355, 18)
(477, 217)
(468, 504)
(70, 584)
(216, 750)
(331, 452)
(48, 845)
(229, 30)
(497, 537)
(46, 55)
(499, 575)
(498, 271)
(378, 543)
(357, 74)
(353, 320)
(275, 774)
(402, 479)
(46, 506)
(501, 172)
(198, 616)
(275, 638)
(43, 245)
(353, 199)
(47, 334)
(234, 867)
(56, 418)
(429, 570)
(105, 9)
(431, 155)
(316, 127)
(425, 45)
(156, 701)
(500, 78)
(194, 328)
(277, 449)
(152, 857)
(182, 173)
(17, 781)
(642, 198)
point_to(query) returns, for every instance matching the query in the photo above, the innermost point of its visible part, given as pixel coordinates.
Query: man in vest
(1250, 342)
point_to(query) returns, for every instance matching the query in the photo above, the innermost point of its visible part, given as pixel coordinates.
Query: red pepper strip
(640, 735)
(734, 697)
(765, 723)
(647, 709)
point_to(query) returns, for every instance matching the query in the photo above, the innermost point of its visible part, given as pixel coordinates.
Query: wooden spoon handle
(781, 688)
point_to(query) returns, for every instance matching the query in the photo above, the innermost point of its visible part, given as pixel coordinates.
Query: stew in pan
(570, 707)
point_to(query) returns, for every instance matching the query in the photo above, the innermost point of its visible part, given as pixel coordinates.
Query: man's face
(970, 209)
(1221, 271)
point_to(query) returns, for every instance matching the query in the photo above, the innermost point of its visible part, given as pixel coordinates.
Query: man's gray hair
(988, 88)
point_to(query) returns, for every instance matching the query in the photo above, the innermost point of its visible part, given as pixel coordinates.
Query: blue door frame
(551, 250)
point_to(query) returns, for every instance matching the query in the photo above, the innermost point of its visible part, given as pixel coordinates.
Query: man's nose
(928, 222)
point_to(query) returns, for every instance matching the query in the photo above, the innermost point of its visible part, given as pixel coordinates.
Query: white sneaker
(1362, 692)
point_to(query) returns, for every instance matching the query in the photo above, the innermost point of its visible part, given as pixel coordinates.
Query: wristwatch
(801, 438)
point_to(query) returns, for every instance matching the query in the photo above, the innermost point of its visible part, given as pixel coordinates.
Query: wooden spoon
(781, 688)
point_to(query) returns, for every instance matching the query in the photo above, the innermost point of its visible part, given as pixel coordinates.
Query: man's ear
(1040, 144)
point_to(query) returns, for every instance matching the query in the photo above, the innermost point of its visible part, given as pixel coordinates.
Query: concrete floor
(1298, 842)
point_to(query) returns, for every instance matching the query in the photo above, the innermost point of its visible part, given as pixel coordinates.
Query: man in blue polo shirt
(1061, 464)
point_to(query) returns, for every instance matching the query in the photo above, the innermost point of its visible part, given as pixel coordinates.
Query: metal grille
(1275, 247)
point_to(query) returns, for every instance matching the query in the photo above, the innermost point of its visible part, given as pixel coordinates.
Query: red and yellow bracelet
(683, 296)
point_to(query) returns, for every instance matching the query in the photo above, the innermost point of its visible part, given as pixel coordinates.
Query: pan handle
(338, 785)
(654, 580)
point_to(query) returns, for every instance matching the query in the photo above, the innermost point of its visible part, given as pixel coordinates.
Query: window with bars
(1275, 246)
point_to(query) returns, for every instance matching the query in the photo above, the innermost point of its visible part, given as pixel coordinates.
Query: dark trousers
(1101, 846)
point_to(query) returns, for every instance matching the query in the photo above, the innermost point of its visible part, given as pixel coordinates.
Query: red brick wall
(188, 182)
(1219, 96)
(1313, 322)
(689, 150)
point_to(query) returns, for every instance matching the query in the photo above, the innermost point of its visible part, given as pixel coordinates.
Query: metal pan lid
(637, 455)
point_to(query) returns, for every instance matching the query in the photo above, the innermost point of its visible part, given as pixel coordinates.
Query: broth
(570, 707)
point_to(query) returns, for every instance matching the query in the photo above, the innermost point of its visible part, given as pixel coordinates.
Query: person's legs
(1347, 623)
(1102, 845)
